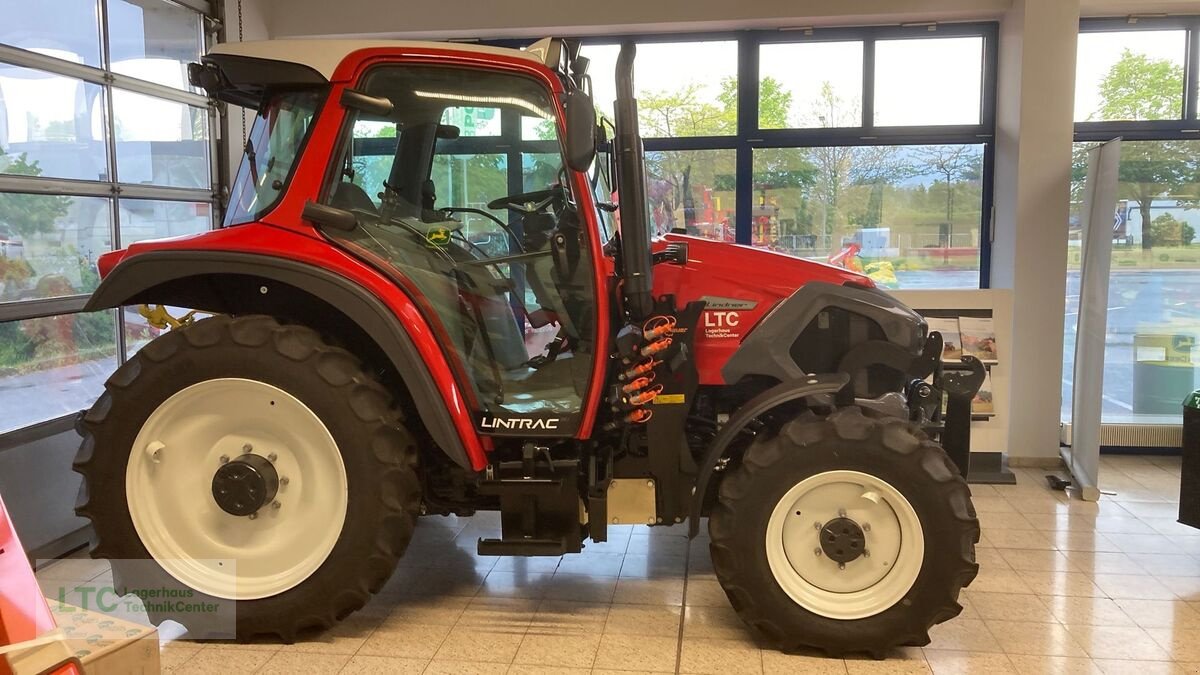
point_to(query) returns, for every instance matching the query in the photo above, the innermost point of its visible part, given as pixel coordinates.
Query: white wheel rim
(168, 487)
(865, 586)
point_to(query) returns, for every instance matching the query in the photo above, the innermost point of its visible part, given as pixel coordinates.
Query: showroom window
(928, 81)
(690, 88)
(1138, 81)
(806, 98)
(917, 203)
(103, 143)
(1113, 68)
(808, 142)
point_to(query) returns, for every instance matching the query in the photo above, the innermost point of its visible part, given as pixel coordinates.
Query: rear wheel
(845, 533)
(250, 466)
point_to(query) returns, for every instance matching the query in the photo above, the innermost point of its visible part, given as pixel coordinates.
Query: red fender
(263, 239)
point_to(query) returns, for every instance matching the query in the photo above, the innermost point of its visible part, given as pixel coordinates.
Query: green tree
(15, 347)
(839, 168)
(681, 112)
(370, 171)
(787, 171)
(28, 214)
(774, 101)
(1166, 230)
(1140, 88)
(687, 112)
(951, 163)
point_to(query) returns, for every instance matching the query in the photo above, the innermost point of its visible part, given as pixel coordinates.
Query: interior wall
(39, 490)
(1034, 129)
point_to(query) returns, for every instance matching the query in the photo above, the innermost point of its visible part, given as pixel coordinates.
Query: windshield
(275, 142)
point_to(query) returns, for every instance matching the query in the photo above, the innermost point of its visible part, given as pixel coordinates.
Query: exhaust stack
(636, 260)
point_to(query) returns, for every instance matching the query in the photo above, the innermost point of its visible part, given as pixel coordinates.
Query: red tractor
(375, 290)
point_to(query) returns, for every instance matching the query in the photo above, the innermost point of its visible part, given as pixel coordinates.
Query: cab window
(498, 256)
(275, 142)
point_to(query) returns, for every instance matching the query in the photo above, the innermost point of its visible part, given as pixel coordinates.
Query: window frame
(1184, 128)
(510, 142)
(750, 136)
(323, 100)
(114, 190)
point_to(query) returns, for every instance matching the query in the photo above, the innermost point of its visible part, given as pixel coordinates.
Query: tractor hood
(739, 285)
(721, 270)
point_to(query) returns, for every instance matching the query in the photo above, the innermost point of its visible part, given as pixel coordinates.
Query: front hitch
(960, 384)
(935, 381)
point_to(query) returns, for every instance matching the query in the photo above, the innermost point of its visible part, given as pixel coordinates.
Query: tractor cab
(506, 269)
(418, 186)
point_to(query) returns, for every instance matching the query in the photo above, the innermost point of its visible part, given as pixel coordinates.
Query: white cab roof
(324, 56)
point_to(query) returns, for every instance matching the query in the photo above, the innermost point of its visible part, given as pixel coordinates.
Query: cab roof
(324, 56)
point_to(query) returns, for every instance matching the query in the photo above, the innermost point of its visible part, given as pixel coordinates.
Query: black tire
(377, 450)
(890, 449)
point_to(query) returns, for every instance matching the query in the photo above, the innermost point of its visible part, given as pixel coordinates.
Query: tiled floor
(1064, 587)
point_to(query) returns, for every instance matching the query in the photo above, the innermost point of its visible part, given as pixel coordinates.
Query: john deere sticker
(437, 236)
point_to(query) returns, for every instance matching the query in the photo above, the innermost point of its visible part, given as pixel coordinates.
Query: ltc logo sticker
(438, 236)
(722, 324)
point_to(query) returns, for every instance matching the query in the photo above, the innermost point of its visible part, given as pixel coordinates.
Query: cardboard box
(107, 645)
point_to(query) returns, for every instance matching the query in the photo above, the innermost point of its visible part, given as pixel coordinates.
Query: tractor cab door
(461, 197)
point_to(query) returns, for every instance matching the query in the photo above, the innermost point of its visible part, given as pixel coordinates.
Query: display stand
(1082, 456)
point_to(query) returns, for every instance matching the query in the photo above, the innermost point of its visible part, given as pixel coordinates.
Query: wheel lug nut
(247, 448)
(841, 513)
(817, 552)
(275, 504)
(253, 516)
(284, 480)
(866, 527)
(817, 525)
(866, 553)
(841, 566)
(224, 459)
(272, 457)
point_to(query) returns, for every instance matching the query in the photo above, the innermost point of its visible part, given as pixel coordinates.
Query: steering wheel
(527, 203)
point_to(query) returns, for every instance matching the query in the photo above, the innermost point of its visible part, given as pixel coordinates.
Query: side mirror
(372, 105)
(581, 130)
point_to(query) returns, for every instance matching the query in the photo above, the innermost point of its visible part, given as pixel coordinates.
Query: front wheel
(245, 477)
(844, 533)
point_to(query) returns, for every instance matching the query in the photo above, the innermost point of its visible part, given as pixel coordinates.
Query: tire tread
(392, 447)
(909, 444)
